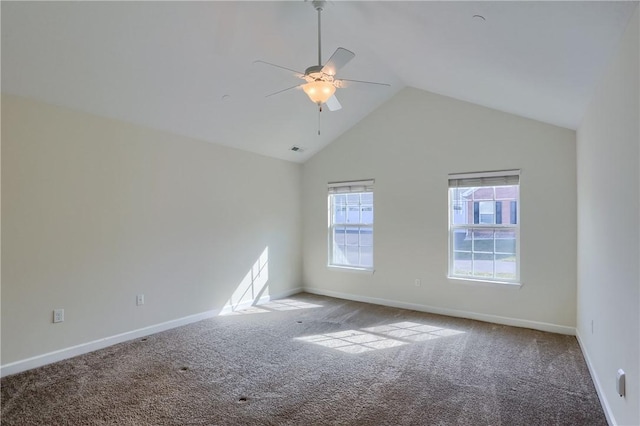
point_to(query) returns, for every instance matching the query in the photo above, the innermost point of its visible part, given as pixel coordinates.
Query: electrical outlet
(417, 282)
(140, 299)
(620, 382)
(58, 315)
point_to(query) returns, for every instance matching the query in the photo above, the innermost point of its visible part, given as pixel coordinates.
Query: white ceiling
(168, 65)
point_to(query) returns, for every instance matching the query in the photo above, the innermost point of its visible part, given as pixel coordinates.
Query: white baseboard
(536, 325)
(596, 382)
(83, 348)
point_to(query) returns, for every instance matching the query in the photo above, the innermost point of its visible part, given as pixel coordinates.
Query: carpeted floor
(312, 360)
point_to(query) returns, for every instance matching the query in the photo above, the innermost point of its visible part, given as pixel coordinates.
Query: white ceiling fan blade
(333, 104)
(297, 73)
(339, 59)
(284, 90)
(366, 82)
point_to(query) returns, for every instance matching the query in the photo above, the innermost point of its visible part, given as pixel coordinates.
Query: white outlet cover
(58, 315)
(620, 382)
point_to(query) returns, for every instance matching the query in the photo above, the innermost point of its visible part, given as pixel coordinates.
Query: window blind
(466, 180)
(351, 186)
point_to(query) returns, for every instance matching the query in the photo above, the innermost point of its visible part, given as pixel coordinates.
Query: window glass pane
(482, 193)
(366, 213)
(353, 199)
(462, 240)
(352, 236)
(462, 246)
(353, 214)
(462, 263)
(366, 257)
(459, 206)
(353, 255)
(339, 199)
(483, 240)
(338, 207)
(506, 241)
(509, 192)
(489, 250)
(366, 237)
(483, 265)
(486, 211)
(351, 244)
(467, 209)
(339, 255)
(366, 198)
(460, 214)
(339, 235)
(486, 207)
(506, 268)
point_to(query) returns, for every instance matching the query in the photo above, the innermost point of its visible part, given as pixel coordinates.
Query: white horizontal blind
(351, 186)
(466, 180)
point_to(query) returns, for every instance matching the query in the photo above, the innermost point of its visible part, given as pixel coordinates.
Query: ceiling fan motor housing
(318, 4)
(314, 71)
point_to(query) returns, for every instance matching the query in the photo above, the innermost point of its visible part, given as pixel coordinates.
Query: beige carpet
(311, 360)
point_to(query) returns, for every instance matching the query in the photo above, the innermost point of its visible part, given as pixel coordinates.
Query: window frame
(488, 180)
(349, 188)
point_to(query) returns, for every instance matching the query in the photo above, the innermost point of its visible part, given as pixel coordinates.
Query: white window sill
(351, 269)
(485, 283)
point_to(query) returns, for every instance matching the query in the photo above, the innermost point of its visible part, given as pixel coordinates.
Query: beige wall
(409, 146)
(609, 233)
(95, 211)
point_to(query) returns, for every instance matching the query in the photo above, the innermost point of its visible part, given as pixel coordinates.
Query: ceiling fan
(320, 80)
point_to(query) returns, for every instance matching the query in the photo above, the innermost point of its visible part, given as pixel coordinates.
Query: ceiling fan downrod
(319, 6)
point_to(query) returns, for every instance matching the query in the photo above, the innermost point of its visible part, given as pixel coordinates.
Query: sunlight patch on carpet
(379, 337)
(275, 306)
(352, 341)
(289, 305)
(412, 331)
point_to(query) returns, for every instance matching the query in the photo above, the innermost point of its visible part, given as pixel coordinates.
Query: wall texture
(409, 146)
(608, 161)
(95, 211)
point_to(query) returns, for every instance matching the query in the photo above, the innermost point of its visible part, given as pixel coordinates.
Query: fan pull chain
(319, 111)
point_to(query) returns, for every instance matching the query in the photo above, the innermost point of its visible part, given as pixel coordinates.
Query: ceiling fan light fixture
(319, 91)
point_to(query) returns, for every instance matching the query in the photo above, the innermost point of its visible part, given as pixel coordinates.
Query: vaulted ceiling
(189, 67)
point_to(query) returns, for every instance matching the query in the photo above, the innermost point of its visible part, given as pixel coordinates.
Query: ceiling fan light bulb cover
(319, 91)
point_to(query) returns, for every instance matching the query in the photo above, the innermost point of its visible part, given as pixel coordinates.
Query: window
(484, 229)
(351, 224)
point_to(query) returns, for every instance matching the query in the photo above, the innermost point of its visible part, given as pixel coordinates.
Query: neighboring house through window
(484, 229)
(351, 224)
